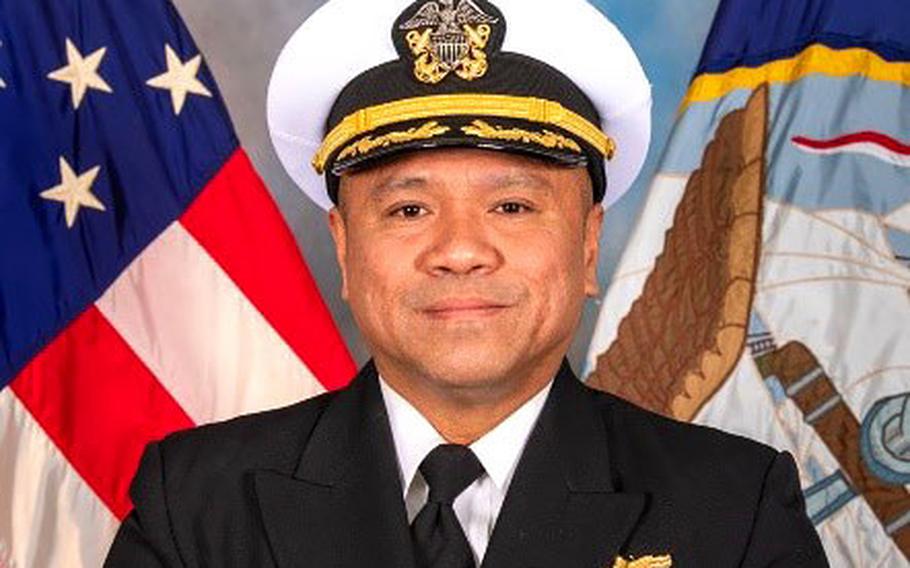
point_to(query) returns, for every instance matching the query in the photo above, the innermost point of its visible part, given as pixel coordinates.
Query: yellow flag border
(815, 59)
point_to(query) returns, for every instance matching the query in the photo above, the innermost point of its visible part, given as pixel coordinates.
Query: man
(467, 158)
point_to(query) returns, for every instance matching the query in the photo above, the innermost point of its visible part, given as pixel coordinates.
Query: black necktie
(439, 541)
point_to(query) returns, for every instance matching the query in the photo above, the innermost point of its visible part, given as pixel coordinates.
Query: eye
(409, 211)
(513, 208)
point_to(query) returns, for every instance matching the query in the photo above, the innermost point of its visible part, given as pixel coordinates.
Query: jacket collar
(343, 505)
(562, 508)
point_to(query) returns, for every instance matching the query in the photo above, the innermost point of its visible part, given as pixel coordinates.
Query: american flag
(148, 282)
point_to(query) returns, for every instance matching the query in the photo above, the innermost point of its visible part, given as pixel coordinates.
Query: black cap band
(490, 113)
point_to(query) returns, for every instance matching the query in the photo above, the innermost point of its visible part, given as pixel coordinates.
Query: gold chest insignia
(444, 37)
(645, 562)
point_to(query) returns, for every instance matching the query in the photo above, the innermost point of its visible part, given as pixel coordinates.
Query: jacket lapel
(562, 508)
(343, 505)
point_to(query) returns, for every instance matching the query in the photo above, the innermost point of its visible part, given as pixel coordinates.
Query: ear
(593, 225)
(340, 236)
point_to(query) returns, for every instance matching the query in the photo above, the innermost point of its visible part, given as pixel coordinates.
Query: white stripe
(49, 516)
(194, 329)
(865, 148)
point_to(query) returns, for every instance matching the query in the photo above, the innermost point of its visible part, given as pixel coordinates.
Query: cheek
(377, 276)
(553, 262)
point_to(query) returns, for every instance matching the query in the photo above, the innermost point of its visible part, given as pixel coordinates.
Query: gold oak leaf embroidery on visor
(367, 144)
(545, 138)
(531, 109)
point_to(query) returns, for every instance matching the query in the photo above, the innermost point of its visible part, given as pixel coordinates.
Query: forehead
(480, 167)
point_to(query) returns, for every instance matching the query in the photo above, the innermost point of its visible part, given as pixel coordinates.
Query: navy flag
(766, 288)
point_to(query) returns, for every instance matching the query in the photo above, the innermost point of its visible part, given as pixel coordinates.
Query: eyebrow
(524, 179)
(494, 182)
(392, 182)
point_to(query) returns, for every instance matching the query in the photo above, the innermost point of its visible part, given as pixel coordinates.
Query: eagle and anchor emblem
(444, 37)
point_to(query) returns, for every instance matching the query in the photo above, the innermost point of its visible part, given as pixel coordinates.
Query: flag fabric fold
(810, 351)
(148, 282)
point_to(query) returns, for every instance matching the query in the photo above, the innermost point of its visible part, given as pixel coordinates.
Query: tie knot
(448, 470)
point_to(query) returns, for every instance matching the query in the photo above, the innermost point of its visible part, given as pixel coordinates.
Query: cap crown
(332, 48)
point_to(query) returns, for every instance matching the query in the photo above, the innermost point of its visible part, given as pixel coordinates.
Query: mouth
(464, 309)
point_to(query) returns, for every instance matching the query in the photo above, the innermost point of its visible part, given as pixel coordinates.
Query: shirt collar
(498, 450)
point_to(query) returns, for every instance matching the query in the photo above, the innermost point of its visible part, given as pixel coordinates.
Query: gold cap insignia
(443, 37)
(664, 561)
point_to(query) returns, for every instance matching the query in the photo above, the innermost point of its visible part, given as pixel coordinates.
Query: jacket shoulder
(203, 477)
(273, 439)
(663, 450)
(723, 495)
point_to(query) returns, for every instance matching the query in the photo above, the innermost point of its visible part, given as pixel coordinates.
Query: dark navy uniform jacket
(317, 485)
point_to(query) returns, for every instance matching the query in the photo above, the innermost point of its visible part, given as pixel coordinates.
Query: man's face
(466, 268)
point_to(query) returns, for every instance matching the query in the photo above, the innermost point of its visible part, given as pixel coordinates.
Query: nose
(460, 245)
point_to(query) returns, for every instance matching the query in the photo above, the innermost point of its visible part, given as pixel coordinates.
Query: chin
(468, 368)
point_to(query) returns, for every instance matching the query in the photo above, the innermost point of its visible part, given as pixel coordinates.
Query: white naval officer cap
(366, 79)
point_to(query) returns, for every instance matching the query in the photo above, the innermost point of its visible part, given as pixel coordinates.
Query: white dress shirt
(498, 451)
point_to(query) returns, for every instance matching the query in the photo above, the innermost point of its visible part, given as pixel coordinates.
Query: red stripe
(99, 404)
(867, 137)
(236, 221)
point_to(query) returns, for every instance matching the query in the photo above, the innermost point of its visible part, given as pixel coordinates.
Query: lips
(464, 308)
